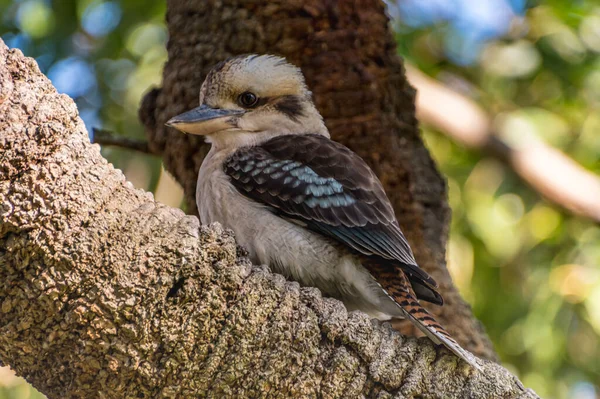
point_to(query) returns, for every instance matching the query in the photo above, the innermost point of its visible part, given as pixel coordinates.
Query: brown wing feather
(333, 192)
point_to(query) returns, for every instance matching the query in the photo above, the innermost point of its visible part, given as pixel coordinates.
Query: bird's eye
(248, 99)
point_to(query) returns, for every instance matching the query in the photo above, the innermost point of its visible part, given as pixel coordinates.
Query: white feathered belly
(288, 248)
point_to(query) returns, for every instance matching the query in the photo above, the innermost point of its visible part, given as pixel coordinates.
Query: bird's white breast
(284, 246)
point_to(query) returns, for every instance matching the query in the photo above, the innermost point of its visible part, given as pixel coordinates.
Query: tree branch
(548, 171)
(106, 293)
(108, 138)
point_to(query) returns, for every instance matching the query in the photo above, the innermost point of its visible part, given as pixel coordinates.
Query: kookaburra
(303, 204)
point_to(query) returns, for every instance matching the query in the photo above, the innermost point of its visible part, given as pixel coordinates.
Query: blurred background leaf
(530, 270)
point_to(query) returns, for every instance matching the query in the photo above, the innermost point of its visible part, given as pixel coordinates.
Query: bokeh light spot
(35, 18)
(101, 18)
(516, 59)
(145, 37)
(573, 282)
(589, 32)
(461, 263)
(509, 209)
(72, 76)
(543, 222)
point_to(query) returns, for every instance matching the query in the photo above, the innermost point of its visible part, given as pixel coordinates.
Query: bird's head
(248, 99)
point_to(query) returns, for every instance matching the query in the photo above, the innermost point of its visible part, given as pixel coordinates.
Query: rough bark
(348, 54)
(106, 293)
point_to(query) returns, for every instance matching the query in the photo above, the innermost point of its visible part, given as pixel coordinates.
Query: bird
(299, 202)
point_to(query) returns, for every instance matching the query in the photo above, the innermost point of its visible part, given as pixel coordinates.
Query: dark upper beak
(205, 120)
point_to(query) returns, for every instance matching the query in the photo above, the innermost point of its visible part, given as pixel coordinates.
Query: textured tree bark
(106, 293)
(348, 54)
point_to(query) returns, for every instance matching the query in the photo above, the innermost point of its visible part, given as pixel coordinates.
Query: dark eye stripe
(290, 106)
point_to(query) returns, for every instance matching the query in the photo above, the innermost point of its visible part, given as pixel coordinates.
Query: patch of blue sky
(101, 18)
(91, 119)
(470, 23)
(72, 76)
(583, 390)
(21, 41)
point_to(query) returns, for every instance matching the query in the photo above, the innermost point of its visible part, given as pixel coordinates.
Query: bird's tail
(420, 317)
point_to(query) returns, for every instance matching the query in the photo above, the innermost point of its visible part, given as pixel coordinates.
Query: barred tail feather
(397, 285)
(421, 318)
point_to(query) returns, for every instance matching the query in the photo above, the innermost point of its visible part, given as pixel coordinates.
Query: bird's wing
(326, 187)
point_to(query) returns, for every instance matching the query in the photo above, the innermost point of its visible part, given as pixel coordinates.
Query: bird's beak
(205, 120)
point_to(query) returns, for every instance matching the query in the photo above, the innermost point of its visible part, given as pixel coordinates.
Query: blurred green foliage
(104, 54)
(530, 271)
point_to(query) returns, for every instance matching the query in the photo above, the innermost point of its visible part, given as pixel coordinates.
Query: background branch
(106, 293)
(547, 170)
(108, 138)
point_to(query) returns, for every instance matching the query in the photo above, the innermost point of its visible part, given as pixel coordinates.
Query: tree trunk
(348, 54)
(106, 293)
